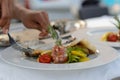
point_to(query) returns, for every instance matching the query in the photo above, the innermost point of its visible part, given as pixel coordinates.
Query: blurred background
(74, 9)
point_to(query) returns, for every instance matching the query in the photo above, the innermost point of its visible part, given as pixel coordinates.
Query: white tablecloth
(105, 72)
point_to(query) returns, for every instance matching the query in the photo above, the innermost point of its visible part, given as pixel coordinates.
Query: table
(105, 72)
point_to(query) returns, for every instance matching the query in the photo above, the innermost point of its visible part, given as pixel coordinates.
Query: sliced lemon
(46, 52)
(104, 37)
(79, 53)
(84, 59)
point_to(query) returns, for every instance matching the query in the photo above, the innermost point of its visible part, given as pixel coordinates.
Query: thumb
(5, 28)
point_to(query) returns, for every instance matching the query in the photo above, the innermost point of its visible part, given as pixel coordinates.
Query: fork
(28, 51)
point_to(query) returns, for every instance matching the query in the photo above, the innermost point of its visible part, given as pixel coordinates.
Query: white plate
(95, 35)
(105, 55)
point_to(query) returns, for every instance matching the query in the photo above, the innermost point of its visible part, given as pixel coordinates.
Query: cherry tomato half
(45, 58)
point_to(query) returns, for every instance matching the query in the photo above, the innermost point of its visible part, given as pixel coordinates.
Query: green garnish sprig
(55, 35)
(118, 22)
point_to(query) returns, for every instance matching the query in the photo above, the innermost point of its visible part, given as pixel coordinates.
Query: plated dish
(74, 52)
(98, 33)
(4, 41)
(109, 36)
(19, 37)
(101, 57)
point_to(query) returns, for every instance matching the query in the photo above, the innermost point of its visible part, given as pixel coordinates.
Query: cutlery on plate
(66, 37)
(56, 36)
(28, 51)
(69, 40)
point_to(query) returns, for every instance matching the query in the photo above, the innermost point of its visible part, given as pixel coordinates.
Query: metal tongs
(17, 46)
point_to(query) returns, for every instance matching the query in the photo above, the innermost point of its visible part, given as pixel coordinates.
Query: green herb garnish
(55, 35)
(117, 25)
(73, 58)
(118, 22)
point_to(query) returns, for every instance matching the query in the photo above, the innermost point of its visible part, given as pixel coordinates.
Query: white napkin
(103, 21)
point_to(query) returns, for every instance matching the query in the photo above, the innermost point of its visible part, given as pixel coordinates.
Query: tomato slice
(45, 58)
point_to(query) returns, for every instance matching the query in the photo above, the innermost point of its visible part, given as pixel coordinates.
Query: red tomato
(45, 58)
(112, 37)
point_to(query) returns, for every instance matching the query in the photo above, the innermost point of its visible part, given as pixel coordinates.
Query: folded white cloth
(103, 21)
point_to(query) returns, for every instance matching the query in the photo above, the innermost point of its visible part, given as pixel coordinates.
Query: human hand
(36, 20)
(6, 10)
(31, 19)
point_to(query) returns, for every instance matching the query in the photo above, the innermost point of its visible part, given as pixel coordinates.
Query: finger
(46, 18)
(3, 22)
(43, 33)
(39, 20)
(32, 25)
(11, 7)
(5, 13)
(5, 8)
(0, 11)
(5, 29)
